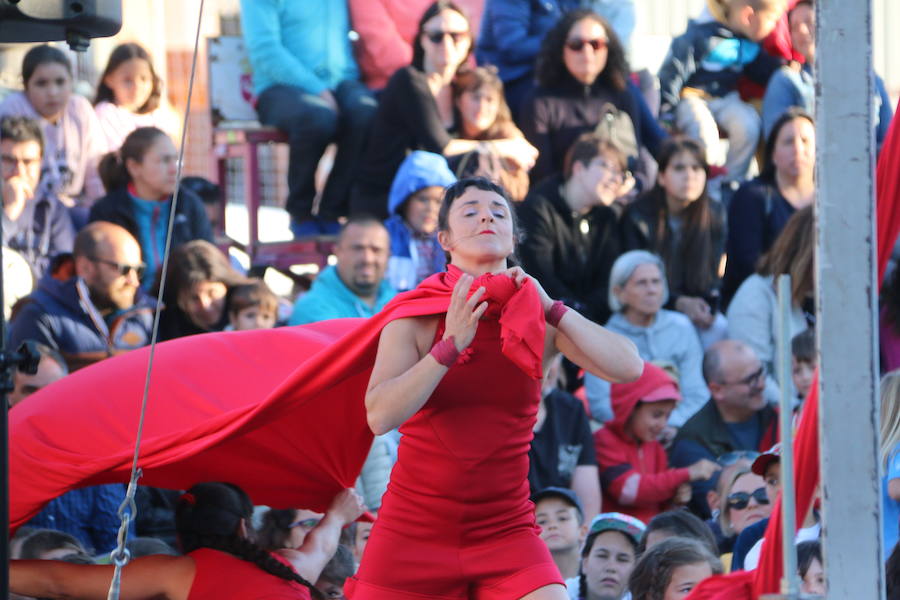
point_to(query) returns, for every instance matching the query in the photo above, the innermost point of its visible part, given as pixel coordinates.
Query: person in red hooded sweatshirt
(634, 471)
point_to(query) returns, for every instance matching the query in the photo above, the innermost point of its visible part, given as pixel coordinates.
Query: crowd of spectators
(664, 212)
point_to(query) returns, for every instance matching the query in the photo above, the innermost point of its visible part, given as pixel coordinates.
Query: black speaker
(75, 21)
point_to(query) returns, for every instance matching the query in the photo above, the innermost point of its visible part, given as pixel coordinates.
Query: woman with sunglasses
(581, 73)
(744, 503)
(141, 178)
(416, 110)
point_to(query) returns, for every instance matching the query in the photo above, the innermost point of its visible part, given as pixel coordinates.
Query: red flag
(887, 193)
(767, 577)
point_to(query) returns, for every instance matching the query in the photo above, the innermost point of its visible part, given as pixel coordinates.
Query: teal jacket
(297, 42)
(329, 298)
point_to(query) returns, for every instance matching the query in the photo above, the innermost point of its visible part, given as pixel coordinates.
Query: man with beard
(355, 286)
(88, 306)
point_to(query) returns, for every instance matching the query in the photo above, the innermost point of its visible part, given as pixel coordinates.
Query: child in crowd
(679, 522)
(252, 306)
(335, 573)
(73, 141)
(608, 558)
(671, 569)
(803, 363)
(809, 565)
(413, 202)
(559, 514)
(633, 464)
(129, 96)
(699, 78)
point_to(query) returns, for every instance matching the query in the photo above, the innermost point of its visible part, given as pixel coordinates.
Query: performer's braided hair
(209, 515)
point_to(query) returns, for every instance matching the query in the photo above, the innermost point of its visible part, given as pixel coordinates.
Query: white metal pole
(789, 581)
(847, 300)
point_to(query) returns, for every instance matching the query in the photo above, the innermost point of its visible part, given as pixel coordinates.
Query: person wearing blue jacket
(355, 286)
(307, 84)
(89, 305)
(414, 202)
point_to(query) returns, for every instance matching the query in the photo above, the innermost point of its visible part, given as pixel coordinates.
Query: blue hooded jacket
(419, 170)
(60, 314)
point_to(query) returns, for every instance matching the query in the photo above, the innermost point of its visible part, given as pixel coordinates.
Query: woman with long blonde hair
(890, 457)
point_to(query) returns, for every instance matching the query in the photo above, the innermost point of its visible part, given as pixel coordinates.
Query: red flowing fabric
(278, 412)
(766, 579)
(887, 188)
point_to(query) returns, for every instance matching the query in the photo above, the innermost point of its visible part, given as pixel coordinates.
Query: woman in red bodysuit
(213, 524)
(464, 387)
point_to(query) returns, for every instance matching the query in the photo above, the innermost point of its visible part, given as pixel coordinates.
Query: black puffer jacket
(570, 255)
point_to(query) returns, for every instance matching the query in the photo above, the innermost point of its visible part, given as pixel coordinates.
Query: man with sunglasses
(88, 306)
(737, 416)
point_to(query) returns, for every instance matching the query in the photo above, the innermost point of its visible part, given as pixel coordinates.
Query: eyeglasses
(577, 44)
(750, 379)
(612, 170)
(437, 37)
(740, 500)
(305, 523)
(729, 458)
(123, 269)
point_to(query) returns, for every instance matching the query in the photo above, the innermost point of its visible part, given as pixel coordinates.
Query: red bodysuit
(222, 576)
(456, 521)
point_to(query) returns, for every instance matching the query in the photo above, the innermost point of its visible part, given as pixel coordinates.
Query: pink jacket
(386, 29)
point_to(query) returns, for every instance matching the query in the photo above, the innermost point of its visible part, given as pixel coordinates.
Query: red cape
(278, 412)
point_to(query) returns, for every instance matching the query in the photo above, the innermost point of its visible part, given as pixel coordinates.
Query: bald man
(90, 306)
(736, 419)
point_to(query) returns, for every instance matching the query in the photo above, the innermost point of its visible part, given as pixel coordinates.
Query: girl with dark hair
(141, 178)
(221, 561)
(608, 557)
(456, 520)
(680, 222)
(197, 283)
(73, 140)
(763, 206)
(286, 527)
(671, 569)
(582, 76)
(809, 567)
(677, 523)
(416, 110)
(130, 95)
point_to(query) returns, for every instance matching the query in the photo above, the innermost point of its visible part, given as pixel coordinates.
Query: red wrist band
(556, 312)
(445, 352)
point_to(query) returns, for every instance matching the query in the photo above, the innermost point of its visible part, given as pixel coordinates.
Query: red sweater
(635, 478)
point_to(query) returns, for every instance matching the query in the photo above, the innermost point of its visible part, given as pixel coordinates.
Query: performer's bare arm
(405, 374)
(157, 576)
(321, 542)
(596, 349)
(590, 346)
